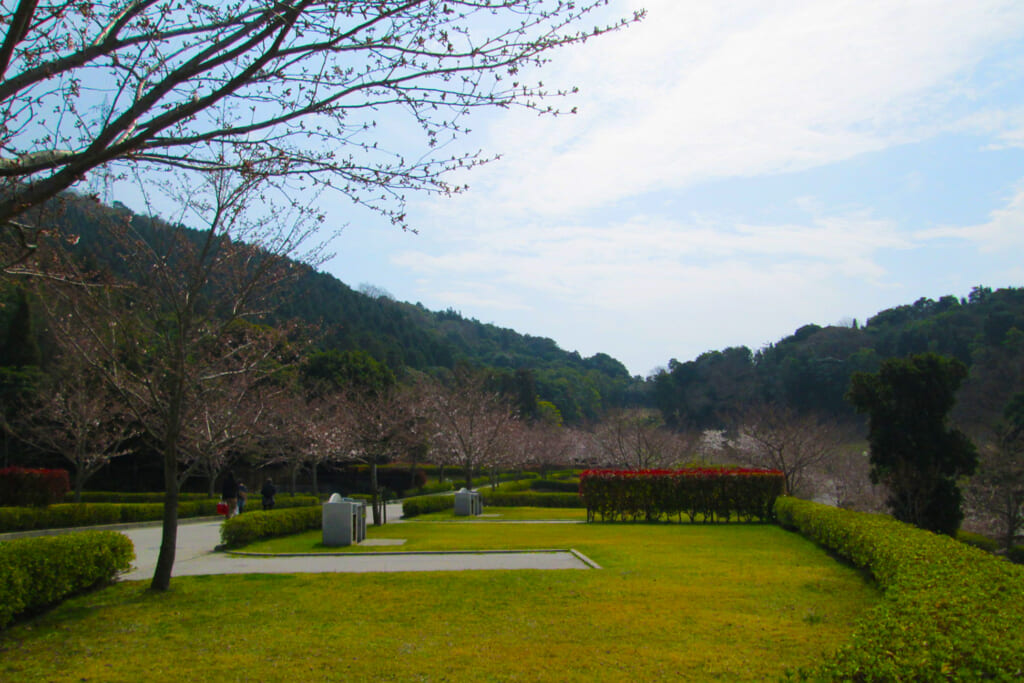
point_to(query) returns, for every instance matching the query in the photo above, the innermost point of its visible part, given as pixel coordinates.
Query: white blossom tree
(470, 423)
(81, 418)
(777, 437)
(638, 439)
(292, 90)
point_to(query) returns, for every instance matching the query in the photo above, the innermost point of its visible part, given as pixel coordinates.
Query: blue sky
(736, 170)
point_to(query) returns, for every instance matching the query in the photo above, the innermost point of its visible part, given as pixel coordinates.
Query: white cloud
(581, 232)
(650, 262)
(1002, 233)
(705, 90)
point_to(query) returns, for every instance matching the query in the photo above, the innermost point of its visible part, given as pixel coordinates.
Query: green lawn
(672, 602)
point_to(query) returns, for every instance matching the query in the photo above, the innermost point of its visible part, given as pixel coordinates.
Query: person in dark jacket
(229, 492)
(243, 495)
(268, 492)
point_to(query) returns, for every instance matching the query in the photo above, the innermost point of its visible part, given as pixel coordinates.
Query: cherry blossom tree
(638, 439)
(173, 326)
(78, 416)
(774, 436)
(470, 423)
(292, 91)
(380, 426)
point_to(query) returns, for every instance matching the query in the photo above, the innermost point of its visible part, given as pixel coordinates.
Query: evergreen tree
(914, 452)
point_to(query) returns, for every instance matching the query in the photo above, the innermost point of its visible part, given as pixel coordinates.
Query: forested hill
(806, 371)
(409, 335)
(810, 370)
(399, 334)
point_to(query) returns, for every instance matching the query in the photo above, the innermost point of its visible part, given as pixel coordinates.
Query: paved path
(196, 556)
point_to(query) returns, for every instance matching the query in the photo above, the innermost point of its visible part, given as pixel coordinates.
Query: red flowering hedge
(700, 493)
(32, 487)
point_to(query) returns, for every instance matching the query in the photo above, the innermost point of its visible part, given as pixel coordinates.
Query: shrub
(282, 501)
(977, 540)
(67, 515)
(559, 486)
(437, 487)
(252, 526)
(421, 505)
(531, 499)
(38, 572)
(706, 493)
(136, 497)
(949, 611)
(35, 487)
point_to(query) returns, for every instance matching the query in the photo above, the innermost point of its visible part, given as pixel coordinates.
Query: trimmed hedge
(421, 505)
(978, 541)
(531, 499)
(555, 485)
(68, 515)
(20, 486)
(252, 526)
(708, 494)
(38, 572)
(949, 611)
(124, 497)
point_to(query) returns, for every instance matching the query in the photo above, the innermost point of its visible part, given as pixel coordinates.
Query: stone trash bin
(468, 503)
(344, 521)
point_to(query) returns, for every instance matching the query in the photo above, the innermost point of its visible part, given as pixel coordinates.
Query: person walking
(229, 492)
(268, 492)
(243, 495)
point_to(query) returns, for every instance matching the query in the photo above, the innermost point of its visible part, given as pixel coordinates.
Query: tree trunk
(79, 482)
(172, 434)
(378, 517)
(168, 544)
(469, 477)
(316, 484)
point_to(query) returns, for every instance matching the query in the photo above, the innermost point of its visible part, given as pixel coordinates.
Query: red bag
(222, 508)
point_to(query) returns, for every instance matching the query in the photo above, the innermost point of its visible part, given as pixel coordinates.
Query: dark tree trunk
(168, 544)
(375, 502)
(79, 482)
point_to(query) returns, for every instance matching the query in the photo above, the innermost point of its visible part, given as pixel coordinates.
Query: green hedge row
(949, 611)
(555, 485)
(67, 515)
(252, 526)
(123, 497)
(38, 572)
(531, 499)
(421, 505)
(705, 494)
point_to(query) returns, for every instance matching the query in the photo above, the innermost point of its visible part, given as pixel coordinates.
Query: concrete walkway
(195, 555)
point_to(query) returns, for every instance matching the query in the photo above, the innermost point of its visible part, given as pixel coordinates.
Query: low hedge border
(69, 515)
(123, 497)
(531, 499)
(949, 611)
(38, 572)
(555, 485)
(422, 505)
(253, 526)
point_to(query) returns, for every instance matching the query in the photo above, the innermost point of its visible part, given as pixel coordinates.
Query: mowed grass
(672, 602)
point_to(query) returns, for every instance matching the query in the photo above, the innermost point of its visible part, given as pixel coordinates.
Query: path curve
(196, 556)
